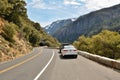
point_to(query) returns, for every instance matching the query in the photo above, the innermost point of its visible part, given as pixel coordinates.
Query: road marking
(36, 78)
(14, 66)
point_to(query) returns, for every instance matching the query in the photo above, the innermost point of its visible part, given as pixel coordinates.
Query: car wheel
(75, 56)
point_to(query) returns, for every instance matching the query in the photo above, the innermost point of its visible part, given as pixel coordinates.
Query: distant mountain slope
(52, 28)
(90, 24)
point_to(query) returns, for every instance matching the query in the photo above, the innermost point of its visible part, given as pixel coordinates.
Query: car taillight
(75, 50)
(65, 50)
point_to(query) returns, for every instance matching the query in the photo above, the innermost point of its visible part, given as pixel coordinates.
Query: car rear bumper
(70, 55)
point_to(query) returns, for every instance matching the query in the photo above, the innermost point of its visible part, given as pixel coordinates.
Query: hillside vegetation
(106, 43)
(18, 34)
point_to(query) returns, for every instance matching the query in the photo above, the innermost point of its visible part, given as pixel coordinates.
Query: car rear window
(69, 47)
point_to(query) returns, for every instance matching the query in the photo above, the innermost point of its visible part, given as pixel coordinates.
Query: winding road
(47, 64)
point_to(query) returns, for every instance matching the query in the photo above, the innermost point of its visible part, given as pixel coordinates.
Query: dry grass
(9, 51)
(1, 24)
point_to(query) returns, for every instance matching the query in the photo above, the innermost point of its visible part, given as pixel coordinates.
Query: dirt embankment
(1, 24)
(8, 50)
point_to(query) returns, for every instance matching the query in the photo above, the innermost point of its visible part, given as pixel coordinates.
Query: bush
(37, 26)
(9, 32)
(27, 31)
(34, 38)
(106, 44)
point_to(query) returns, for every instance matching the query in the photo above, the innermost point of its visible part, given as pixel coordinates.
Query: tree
(5, 8)
(18, 6)
(16, 10)
(34, 38)
(37, 26)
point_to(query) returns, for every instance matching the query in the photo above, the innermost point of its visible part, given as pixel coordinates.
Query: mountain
(90, 24)
(53, 27)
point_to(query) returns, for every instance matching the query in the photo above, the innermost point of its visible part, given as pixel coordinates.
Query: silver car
(69, 50)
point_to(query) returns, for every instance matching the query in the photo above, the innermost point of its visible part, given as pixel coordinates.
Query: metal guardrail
(103, 60)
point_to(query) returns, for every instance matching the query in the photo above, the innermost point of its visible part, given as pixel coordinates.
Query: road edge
(103, 60)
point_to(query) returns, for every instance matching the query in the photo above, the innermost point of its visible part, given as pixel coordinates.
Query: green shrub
(106, 44)
(34, 38)
(9, 32)
(37, 26)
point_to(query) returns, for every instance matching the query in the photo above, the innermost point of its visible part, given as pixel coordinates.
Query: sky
(47, 11)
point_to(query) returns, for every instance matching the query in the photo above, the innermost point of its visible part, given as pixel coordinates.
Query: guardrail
(103, 60)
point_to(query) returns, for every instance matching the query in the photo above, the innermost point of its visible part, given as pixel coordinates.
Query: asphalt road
(47, 64)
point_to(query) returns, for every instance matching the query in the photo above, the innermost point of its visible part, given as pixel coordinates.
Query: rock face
(90, 24)
(52, 28)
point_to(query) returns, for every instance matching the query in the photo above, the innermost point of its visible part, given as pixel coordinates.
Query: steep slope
(90, 24)
(18, 34)
(52, 28)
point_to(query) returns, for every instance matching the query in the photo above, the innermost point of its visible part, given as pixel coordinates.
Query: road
(47, 64)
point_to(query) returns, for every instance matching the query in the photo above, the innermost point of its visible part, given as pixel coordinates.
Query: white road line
(36, 78)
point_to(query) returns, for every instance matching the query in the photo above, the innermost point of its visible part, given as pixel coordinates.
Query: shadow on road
(66, 57)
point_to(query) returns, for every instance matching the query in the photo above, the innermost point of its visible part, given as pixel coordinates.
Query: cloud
(71, 2)
(43, 24)
(89, 5)
(47, 11)
(98, 4)
(40, 4)
(53, 4)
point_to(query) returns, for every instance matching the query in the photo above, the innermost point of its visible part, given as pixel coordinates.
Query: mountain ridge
(56, 25)
(90, 24)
